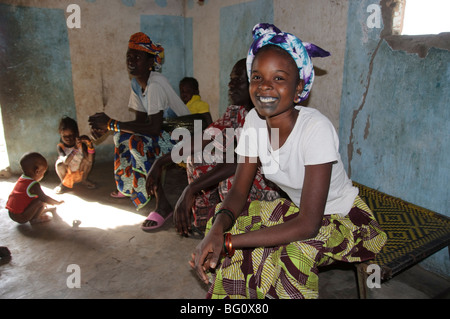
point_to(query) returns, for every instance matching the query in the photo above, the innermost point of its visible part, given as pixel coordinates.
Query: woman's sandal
(117, 194)
(155, 217)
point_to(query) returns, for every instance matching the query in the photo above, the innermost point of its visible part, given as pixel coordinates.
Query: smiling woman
(274, 81)
(324, 219)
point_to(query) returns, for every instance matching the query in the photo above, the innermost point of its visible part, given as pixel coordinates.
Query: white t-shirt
(158, 96)
(312, 141)
(74, 165)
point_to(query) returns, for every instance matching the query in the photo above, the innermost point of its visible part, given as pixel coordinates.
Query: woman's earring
(297, 99)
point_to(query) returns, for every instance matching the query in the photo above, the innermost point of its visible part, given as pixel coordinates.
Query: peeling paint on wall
(175, 35)
(161, 3)
(236, 25)
(129, 3)
(356, 112)
(394, 125)
(36, 83)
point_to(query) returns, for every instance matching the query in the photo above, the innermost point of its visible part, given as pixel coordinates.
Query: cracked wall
(394, 127)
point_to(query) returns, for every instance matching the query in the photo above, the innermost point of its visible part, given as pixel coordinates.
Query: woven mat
(414, 233)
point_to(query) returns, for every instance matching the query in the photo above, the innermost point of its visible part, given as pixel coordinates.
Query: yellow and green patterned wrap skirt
(291, 271)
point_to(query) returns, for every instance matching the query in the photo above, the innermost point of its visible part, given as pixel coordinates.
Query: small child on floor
(76, 155)
(28, 202)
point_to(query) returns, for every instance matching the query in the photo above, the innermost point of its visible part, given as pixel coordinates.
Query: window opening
(426, 17)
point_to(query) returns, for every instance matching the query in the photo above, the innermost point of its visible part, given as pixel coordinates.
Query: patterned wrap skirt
(134, 155)
(291, 271)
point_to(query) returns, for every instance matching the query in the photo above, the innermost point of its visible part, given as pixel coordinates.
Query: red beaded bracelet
(228, 245)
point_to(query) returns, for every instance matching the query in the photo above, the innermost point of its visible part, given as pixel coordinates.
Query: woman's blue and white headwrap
(302, 52)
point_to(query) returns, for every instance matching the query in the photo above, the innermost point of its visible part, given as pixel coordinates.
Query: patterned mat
(414, 233)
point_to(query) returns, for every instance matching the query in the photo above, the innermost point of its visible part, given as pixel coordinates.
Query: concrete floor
(116, 259)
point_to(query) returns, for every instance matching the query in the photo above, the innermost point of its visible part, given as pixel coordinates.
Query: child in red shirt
(28, 202)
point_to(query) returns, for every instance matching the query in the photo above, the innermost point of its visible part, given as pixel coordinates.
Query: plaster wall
(324, 23)
(222, 35)
(35, 78)
(203, 41)
(394, 127)
(86, 70)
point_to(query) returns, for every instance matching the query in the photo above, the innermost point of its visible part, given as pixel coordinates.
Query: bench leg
(362, 280)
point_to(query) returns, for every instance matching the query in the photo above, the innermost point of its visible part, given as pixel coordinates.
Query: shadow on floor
(101, 236)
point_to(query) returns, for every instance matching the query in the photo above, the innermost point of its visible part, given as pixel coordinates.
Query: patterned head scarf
(140, 41)
(302, 52)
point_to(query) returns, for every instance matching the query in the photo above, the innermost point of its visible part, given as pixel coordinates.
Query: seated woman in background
(210, 181)
(138, 143)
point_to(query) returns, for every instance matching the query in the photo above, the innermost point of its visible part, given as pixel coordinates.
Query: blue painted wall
(236, 25)
(174, 33)
(36, 87)
(35, 79)
(394, 120)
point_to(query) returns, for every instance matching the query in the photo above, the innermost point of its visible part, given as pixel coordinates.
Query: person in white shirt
(140, 142)
(273, 249)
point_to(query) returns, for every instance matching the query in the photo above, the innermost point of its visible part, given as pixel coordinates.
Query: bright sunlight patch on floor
(426, 17)
(77, 212)
(93, 214)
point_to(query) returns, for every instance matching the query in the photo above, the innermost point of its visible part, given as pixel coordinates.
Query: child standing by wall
(27, 202)
(75, 156)
(324, 219)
